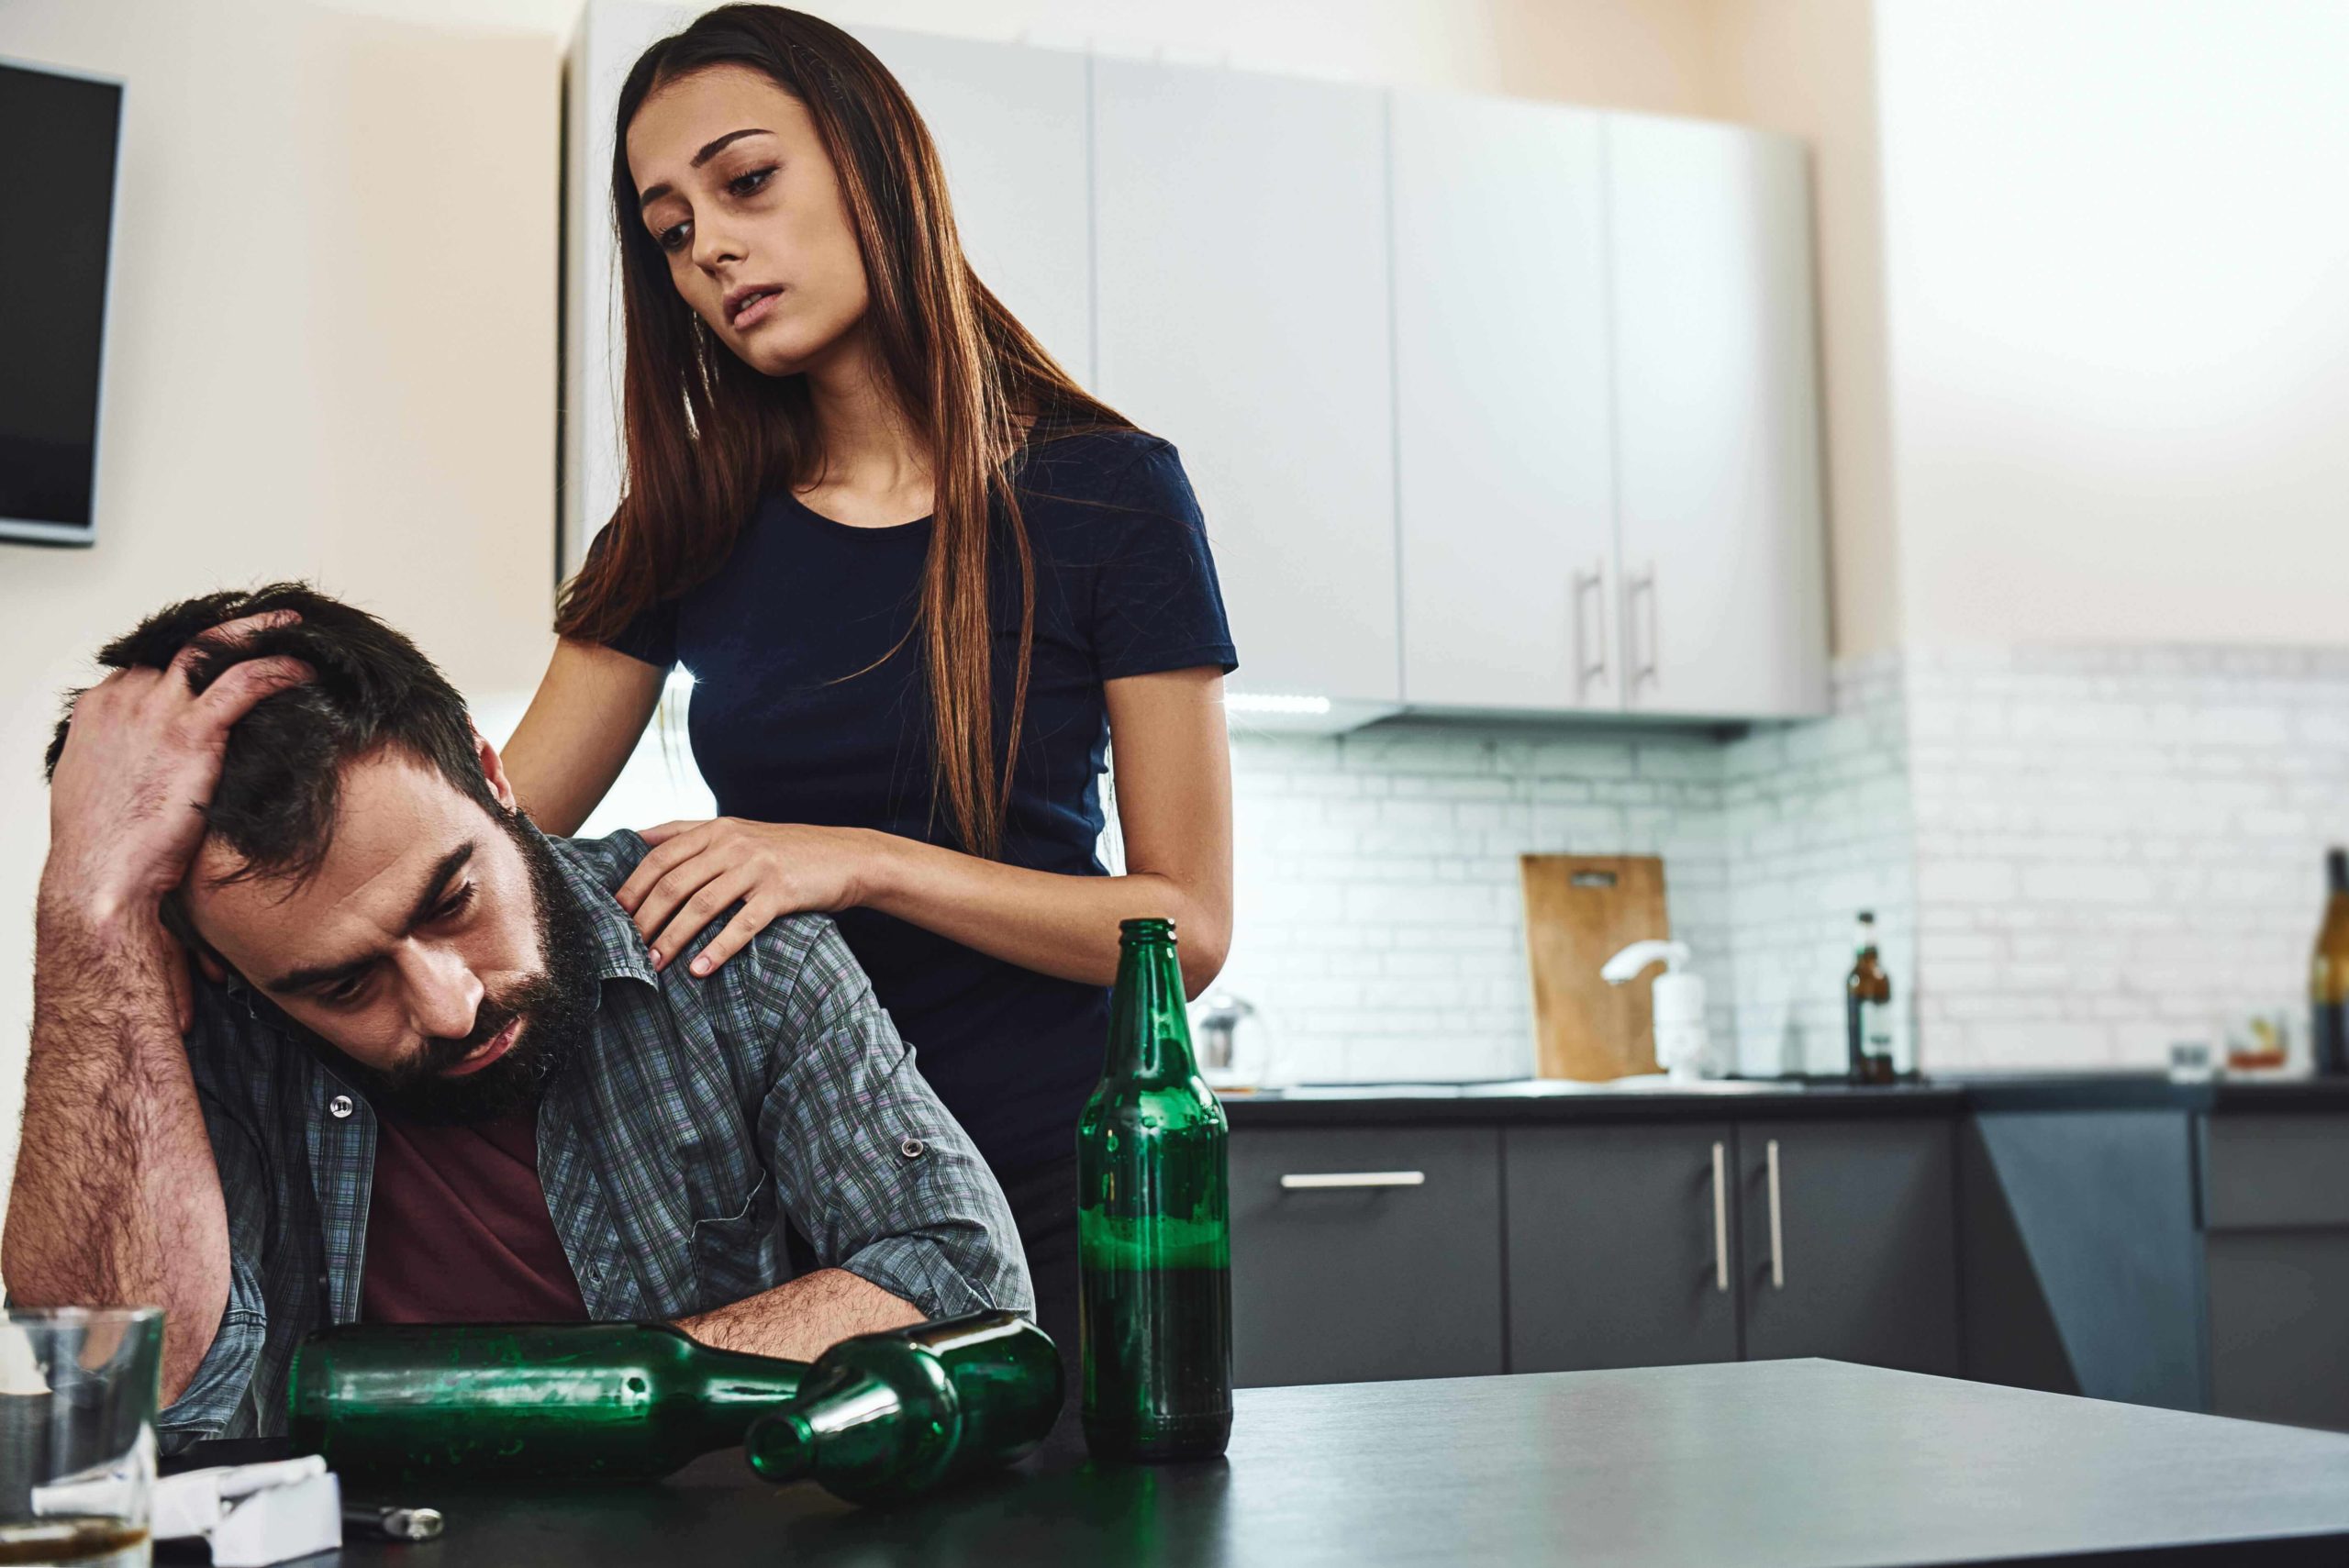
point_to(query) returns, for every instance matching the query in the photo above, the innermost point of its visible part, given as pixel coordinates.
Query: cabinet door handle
(1777, 1226)
(1721, 1218)
(1643, 660)
(1590, 587)
(1294, 1182)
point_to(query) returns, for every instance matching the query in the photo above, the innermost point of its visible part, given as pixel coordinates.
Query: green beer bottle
(628, 1401)
(1154, 1224)
(884, 1416)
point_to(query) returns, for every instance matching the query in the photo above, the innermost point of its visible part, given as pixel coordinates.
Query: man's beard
(556, 1005)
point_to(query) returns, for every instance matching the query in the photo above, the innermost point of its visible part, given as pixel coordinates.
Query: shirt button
(339, 1107)
(913, 1149)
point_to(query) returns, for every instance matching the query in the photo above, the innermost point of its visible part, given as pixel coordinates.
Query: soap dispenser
(1682, 1047)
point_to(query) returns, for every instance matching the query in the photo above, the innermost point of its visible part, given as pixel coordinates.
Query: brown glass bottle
(1867, 1010)
(2328, 975)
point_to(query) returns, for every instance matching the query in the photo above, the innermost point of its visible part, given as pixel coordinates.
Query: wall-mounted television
(60, 134)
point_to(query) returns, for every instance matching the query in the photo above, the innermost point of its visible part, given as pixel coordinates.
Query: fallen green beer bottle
(884, 1416)
(1154, 1224)
(626, 1401)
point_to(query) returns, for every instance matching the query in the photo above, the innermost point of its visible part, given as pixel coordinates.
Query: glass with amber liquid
(1867, 1010)
(518, 1401)
(77, 1434)
(2329, 973)
(1154, 1224)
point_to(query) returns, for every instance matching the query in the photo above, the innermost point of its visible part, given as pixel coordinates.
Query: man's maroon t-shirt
(456, 1227)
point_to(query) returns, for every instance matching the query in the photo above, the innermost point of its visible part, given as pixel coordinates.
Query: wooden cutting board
(1580, 911)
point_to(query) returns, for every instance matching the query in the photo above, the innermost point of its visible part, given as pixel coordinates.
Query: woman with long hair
(922, 581)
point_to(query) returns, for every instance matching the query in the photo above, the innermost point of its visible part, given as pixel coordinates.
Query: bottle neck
(731, 1390)
(2336, 873)
(1863, 941)
(855, 1414)
(1150, 1031)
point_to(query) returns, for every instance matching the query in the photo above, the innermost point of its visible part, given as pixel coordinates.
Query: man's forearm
(117, 1199)
(802, 1319)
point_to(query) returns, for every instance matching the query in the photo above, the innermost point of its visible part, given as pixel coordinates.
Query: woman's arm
(588, 715)
(1173, 774)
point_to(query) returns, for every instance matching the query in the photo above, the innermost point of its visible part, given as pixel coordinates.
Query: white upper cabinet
(1241, 241)
(1503, 443)
(1009, 125)
(1717, 423)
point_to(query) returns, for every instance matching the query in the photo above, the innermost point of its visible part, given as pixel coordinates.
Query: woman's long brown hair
(705, 434)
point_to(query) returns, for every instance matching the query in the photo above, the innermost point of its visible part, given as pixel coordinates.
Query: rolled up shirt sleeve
(876, 1170)
(209, 1404)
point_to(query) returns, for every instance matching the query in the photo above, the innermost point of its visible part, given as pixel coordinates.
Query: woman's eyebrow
(655, 193)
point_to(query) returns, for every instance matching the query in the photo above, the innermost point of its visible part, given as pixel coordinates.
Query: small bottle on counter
(2328, 975)
(1867, 1009)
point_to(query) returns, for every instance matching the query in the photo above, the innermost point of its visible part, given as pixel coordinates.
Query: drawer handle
(1720, 1219)
(1294, 1183)
(1778, 1227)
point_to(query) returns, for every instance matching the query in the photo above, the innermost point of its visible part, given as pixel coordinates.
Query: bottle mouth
(1150, 928)
(781, 1445)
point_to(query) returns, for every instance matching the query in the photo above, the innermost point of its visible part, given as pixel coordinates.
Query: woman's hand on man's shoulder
(698, 870)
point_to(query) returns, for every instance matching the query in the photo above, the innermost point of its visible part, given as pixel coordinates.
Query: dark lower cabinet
(1621, 1246)
(1369, 1252)
(2279, 1325)
(1365, 1253)
(1850, 1232)
(2171, 1256)
(2276, 1209)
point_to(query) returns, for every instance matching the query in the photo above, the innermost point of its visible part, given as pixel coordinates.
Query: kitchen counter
(1532, 1101)
(1793, 1463)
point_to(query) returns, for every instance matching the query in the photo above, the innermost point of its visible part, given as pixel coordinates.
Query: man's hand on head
(141, 758)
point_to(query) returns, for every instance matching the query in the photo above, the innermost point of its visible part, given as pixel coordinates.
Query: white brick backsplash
(2163, 830)
(2076, 856)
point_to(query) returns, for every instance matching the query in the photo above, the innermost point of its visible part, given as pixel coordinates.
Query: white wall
(331, 354)
(1807, 68)
(1643, 54)
(2118, 286)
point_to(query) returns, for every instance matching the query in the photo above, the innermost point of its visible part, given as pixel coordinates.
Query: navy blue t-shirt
(802, 712)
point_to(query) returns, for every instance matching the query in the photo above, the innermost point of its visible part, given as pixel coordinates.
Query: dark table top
(1774, 1464)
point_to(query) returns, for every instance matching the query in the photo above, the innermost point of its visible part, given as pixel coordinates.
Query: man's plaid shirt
(695, 1115)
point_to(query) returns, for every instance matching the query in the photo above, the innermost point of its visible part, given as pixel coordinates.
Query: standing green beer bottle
(1154, 1224)
(472, 1401)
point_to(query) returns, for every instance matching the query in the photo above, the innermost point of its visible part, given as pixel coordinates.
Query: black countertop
(1779, 1099)
(1792, 1465)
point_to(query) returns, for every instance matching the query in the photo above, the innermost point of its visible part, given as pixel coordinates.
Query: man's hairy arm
(802, 1319)
(116, 1200)
(892, 1196)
